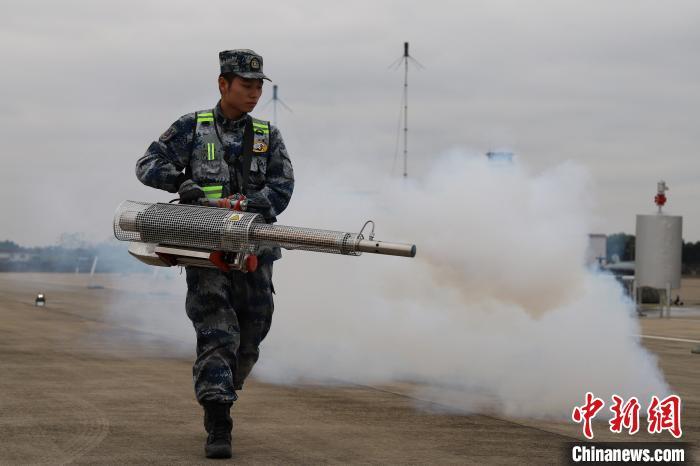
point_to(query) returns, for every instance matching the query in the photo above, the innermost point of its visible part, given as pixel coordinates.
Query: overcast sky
(611, 85)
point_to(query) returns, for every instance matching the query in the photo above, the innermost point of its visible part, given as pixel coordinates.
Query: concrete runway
(69, 396)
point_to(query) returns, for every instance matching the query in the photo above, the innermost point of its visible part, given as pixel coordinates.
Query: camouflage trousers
(231, 313)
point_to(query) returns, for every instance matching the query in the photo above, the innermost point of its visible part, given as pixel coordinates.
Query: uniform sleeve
(162, 165)
(279, 179)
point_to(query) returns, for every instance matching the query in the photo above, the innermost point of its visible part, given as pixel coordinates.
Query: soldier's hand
(190, 192)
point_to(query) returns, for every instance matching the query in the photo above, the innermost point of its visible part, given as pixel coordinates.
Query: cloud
(89, 85)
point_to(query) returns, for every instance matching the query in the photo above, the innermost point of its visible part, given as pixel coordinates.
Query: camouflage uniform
(231, 312)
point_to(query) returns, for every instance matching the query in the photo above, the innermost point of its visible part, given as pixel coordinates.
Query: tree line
(71, 254)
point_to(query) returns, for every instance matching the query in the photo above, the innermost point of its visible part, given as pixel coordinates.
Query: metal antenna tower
(275, 99)
(404, 59)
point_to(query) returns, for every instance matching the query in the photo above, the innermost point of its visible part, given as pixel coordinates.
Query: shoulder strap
(203, 121)
(188, 168)
(204, 135)
(205, 116)
(247, 154)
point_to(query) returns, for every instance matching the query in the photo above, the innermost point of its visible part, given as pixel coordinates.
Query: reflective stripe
(262, 126)
(211, 151)
(207, 164)
(205, 117)
(213, 192)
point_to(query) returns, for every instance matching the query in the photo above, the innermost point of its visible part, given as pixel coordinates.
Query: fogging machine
(218, 236)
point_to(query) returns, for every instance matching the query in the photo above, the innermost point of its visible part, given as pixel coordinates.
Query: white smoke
(497, 312)
(146, 313)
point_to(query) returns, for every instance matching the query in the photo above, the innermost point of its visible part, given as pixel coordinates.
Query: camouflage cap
(243, 62)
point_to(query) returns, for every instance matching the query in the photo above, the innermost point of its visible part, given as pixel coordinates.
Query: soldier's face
(242, 94)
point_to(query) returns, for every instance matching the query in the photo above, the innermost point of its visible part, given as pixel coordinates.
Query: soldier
(217, 153)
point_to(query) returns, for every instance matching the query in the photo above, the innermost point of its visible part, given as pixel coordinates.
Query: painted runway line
(654, 337)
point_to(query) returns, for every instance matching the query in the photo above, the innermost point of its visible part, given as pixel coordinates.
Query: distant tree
(9, 246)
(620, 245)
(691, 258)
(629, 248)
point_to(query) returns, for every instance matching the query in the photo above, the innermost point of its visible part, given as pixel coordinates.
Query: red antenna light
(660, 198)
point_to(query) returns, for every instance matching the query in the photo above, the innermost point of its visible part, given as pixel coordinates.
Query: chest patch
(259, 146)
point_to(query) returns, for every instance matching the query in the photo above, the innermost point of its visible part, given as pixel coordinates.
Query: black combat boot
(218, 423)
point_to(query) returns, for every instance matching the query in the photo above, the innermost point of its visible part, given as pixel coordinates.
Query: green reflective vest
(208, 167)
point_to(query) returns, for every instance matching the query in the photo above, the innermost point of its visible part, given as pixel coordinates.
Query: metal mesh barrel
(221, 230)
(307, 239)
(185, 225)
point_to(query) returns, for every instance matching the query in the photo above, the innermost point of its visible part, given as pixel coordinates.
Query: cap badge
(254, 64)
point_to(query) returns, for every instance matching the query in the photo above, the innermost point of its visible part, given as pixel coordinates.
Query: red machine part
(660, 199)
(217, 258)
(237, 205)
(251, 263)
(234, 202)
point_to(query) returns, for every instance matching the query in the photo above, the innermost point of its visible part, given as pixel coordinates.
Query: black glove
(190, 192)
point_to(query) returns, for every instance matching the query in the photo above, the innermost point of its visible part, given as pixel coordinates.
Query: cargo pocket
(210, 174)
(258, 172)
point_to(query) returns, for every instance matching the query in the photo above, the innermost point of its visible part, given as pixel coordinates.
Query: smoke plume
(497, 312)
